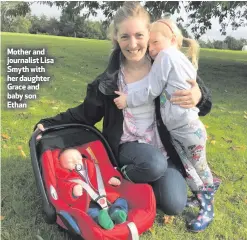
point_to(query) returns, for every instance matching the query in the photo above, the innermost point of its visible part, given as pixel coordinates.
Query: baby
(72, 160)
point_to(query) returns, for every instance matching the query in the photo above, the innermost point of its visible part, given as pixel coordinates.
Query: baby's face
(158, 42)
(69, 158)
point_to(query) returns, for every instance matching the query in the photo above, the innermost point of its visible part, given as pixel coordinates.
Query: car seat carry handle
(49, 210)
(87, 127)
(133, 231)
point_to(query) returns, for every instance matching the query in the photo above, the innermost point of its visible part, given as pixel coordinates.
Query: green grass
(78, 62)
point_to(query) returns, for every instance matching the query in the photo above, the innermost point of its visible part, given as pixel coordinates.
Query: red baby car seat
(44, 154)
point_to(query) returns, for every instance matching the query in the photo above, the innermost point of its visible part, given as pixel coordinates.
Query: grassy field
(78, 62)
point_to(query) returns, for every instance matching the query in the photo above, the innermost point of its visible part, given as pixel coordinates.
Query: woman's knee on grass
(171, 192)
(173, 207)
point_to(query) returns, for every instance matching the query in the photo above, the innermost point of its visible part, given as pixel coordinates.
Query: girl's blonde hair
(169, 29)
(128, 10)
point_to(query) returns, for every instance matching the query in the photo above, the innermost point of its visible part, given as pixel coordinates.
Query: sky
(213, 34)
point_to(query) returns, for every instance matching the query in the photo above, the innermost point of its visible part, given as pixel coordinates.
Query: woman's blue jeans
(146, 164)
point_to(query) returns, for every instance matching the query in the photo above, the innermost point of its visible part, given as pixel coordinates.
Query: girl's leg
(190, 142)
(141, 162)
(192, 201)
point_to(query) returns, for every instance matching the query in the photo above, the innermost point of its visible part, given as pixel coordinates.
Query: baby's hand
(77, 190)
(121, 101)
(114, 181)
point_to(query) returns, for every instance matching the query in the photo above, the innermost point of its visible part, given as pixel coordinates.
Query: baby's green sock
(119, 216)
(105, 220)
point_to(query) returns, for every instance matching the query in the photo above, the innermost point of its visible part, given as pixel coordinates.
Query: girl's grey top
(169, 73)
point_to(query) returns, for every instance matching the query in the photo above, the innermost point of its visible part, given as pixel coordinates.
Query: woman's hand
(187, 98)
(41, 128)
(121, 101)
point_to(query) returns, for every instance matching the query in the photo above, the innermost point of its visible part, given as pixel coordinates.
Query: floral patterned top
(139, 122)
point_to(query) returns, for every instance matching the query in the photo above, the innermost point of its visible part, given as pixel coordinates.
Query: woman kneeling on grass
(133, 133)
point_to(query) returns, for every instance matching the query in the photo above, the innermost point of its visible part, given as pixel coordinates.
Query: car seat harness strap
(101, 200)
(101, 197)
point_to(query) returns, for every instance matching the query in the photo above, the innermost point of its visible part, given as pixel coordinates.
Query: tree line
(79, 27)
(16, 17)
(82, 28)
(228, 43)
(199, 13)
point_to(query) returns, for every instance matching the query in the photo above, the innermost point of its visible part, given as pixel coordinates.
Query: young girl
(169, 72)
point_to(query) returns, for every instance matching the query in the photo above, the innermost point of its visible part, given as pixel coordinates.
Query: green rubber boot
(119, 216)
(105, 220)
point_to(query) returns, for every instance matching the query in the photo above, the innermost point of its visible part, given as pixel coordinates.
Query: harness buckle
(102, 201)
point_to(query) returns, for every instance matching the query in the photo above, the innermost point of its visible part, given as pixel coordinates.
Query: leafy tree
(233, 43)
(66, 26)
(13, 9)
(217, 44)
(94, 30)
(20, 24)
(10, 10)
(35, 25)
(233, 13)
(228, 43)
(43, 23)
(210, 44)
(52, 26)
(12, 17)
(201, 13)
(202, 43)
(243, 42)
(183, 30)
(70, 25)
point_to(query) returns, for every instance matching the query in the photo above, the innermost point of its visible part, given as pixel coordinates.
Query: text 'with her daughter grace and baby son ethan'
(26, 70)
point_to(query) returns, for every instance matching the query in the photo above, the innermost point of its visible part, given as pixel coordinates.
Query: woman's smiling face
(132, 37)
